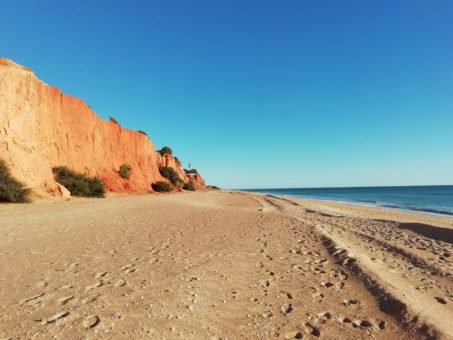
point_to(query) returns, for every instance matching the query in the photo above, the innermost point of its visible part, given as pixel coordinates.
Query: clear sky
(262, 93)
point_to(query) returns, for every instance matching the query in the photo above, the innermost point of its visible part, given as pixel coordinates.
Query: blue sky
(259, 94)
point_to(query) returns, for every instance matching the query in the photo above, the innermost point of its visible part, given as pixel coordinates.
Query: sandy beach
(222, 265)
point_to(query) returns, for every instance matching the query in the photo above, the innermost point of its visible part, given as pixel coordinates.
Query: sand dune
(222, 265)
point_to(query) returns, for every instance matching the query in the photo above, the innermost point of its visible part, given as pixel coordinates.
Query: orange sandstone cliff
(41, 128)
(172, 162)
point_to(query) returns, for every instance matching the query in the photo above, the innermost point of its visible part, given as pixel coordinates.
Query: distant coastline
(433, 200)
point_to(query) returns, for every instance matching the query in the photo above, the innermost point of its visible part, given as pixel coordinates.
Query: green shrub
(113, 120)
(143, 133)
(10, 189)
(189, 186)
(161, 187)
(170, 174)
(125, 171)
(165, 150)
(191, 171)
(213, 187)
(79, 184)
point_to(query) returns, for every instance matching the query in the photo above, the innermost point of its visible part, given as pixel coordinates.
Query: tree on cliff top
(10, 189)
(113, 120)
(165, 150)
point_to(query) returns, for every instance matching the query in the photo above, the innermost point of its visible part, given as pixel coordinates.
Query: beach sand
(217, 265)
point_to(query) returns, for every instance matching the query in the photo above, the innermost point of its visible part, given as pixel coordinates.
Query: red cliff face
(41, 128)
(170, 161)
(196, 177)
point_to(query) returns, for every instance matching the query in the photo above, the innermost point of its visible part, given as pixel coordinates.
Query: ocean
(436, 199)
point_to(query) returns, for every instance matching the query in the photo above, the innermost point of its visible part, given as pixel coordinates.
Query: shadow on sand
(437, 233)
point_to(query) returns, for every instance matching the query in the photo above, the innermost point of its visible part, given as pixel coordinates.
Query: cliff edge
(42, 128)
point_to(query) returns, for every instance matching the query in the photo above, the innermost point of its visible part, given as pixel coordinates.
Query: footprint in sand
(267, 314)
(31, 298)
(64, 300)
(99, 275)
(293, 335)
(298, 267)
(310, 329)
(353, 302)
(120, 283)
(441, 300)
(91, 321)
(287, 308)
(288, 295)
(89, 299)
(338, 275)
(128, 268)
(95, 285)
(324, 316)
(55, 318)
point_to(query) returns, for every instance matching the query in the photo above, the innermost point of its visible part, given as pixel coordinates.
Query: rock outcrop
(172, 162)
(196, 178)
(41, 128)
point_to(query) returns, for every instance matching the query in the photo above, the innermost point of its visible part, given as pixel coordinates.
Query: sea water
(428, 199)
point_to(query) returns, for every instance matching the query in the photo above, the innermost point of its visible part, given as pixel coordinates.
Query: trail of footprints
(72, 304)
(434, 272)
(321, 276)
(322, 281)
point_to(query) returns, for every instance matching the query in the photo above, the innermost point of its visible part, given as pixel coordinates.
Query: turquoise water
(429, 199)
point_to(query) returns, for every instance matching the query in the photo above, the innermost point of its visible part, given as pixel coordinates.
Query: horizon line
(349, 187)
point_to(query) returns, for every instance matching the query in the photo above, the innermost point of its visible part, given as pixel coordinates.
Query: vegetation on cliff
(162, 187)
(125, 171)
(191, 186)
(11, 190)
(92, 145)
(113, 120)
(79, 184)
(165, 150)
(170, 174)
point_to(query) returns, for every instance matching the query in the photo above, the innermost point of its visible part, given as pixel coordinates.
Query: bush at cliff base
(125, 171)
(79, 184)
(162, 187)
(10, 189)
(191, 186)
(170, 174)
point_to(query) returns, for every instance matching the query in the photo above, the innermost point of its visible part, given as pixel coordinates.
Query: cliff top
(10, 63)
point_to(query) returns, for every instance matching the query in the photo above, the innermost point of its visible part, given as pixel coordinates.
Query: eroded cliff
(41, 128)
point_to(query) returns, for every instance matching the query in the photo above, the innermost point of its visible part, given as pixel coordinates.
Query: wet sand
(219, 265)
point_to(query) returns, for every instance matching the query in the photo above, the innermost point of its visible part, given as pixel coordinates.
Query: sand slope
(211, 265)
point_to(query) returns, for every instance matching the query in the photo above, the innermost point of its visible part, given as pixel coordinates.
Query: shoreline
(373, 204)
(362, 210)
(361, 204)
